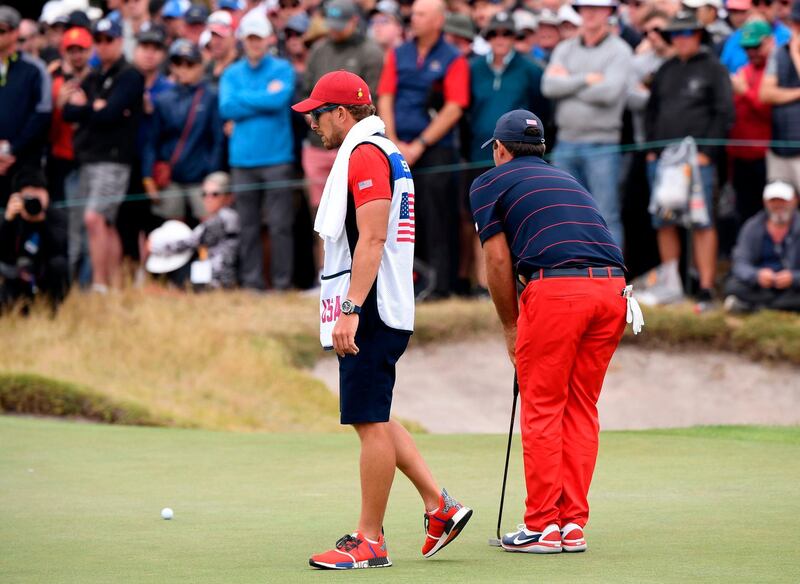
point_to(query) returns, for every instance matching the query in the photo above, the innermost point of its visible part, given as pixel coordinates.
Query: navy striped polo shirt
(549, 218)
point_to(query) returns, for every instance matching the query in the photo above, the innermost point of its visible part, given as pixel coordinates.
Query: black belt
(574, 273)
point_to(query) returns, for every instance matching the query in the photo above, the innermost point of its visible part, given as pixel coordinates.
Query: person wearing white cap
(255, 93)
(588, 78)
(221, 45)
(527, 25)
(548, 35)
(386, 25)
(569, 21)
(766, 259)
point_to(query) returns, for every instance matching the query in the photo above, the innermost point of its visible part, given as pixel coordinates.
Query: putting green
(80, 503)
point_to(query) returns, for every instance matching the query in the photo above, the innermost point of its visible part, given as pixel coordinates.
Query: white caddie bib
(395, 283)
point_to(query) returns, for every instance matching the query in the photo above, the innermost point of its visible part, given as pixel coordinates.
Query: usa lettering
(331, 309)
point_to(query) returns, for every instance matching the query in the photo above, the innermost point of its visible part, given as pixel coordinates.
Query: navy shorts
(366, 380)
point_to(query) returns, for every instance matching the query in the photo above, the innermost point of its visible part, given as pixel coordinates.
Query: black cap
(501, 21)
(518, 126)
(80, 19)
(152, 35)
(29, 177)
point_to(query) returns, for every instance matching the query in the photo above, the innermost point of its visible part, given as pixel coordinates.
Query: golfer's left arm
(502, 287)
(372, 219)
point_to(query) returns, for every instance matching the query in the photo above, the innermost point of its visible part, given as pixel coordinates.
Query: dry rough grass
(765, 335)
(236, 361)
(212, 360)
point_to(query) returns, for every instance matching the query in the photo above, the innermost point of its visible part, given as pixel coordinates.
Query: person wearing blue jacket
(186, 133)
(733, 54)
(254, 94)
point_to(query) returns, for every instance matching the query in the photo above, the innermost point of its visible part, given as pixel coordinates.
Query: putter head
(494, 542)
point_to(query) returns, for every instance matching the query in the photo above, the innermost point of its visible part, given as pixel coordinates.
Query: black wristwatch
(349, 308)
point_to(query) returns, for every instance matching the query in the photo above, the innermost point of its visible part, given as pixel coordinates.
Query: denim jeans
(596, 167)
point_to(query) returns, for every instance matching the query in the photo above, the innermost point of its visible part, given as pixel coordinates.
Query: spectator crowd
(682, 118)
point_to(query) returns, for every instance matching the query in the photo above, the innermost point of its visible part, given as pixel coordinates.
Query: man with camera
(33, 256)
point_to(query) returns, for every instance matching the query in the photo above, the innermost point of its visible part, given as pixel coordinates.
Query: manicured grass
(80, 503)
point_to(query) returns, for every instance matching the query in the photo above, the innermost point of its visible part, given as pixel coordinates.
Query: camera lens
(33, 206)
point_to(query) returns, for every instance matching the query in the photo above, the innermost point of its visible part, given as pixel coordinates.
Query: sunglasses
(183, 63)
(762, 2)
(655, 29)
(682, 33)
(317, 113)
(506, 34)
(213, 194)
(289, 33)
(103, 40)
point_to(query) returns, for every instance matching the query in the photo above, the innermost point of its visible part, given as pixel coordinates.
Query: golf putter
(496, 541)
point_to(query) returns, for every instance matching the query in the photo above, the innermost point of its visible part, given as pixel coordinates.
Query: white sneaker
(662, 285)
(734, 305)
(535, 542)
(572, 539)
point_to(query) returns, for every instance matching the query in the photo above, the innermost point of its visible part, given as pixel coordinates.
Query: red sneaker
(443, 525)
(351, 552)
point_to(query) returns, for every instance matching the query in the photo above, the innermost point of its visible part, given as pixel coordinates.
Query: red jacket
(753, 117)
(60, 131)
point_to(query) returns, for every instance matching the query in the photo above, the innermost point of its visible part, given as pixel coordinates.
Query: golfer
(366, 221)
(537, 223)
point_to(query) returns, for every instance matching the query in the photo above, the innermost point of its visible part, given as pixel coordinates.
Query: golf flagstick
(492, 541)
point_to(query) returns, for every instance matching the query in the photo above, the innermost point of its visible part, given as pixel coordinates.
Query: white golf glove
(634, 313)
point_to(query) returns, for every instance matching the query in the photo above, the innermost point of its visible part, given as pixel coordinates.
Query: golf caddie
(540, 227)
(366, 221)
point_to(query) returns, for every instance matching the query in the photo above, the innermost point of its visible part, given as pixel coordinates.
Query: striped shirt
(550, 220)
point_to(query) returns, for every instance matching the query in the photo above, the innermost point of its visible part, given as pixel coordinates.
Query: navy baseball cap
(518, 126)
(196, 14)
(185, 49)
(107, 27)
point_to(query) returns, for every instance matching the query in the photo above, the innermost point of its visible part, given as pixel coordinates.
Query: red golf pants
(568, 329)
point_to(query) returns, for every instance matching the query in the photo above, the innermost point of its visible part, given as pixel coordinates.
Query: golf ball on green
(166, 513)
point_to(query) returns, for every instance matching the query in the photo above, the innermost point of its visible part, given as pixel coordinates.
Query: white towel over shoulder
(333, 205)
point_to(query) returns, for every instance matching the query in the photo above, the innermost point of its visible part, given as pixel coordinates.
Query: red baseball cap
(76, 37)
(337, 87)
(739, 4)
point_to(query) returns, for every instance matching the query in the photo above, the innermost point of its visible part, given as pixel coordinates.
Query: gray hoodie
(590, 113)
